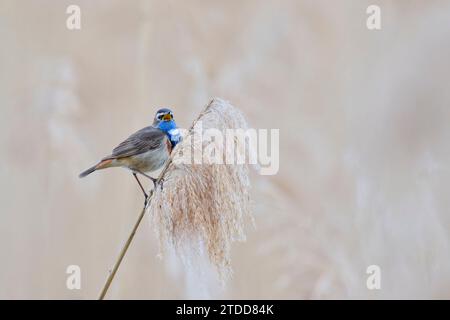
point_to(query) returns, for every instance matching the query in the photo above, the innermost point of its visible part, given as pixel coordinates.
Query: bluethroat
(145, 150)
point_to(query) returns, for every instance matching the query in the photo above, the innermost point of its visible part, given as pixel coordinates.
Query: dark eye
(160, 117)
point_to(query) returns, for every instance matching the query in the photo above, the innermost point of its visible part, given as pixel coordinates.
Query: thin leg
(147, 176)
(142, 188)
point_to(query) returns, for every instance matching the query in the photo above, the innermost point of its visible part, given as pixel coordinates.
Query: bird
(145, 150)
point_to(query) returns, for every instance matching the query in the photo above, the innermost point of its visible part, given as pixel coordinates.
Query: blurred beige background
(364, 167)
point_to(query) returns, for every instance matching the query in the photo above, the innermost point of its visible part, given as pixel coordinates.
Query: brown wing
(146, 139)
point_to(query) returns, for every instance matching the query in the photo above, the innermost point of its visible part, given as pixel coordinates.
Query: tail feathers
(101, 165)
(87, 172)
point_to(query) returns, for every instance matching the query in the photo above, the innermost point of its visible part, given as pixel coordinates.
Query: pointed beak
(167, 117)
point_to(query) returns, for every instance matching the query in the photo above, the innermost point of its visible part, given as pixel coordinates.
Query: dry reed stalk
(200, 204)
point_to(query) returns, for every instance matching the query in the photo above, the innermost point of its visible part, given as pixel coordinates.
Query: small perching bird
(145, 150)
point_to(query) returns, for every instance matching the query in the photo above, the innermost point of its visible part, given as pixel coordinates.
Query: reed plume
(202, 207)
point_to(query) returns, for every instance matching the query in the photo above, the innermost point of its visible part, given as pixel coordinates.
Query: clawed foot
(155, 182)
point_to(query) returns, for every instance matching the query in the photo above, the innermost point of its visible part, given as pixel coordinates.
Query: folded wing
(146, 139)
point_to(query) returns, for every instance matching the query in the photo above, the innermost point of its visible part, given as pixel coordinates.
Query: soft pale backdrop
(364, 167)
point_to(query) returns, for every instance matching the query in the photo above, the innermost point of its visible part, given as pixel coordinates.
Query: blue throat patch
(170, 128)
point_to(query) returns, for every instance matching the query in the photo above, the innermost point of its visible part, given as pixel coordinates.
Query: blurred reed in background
(363, 118)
